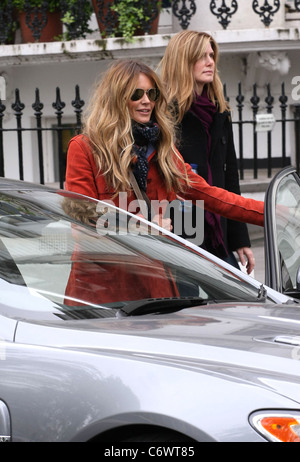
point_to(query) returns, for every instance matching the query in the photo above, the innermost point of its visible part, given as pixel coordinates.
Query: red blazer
(82, 176)
(103, 281)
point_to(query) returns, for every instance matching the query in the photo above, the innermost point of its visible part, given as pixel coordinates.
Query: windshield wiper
(160, 305)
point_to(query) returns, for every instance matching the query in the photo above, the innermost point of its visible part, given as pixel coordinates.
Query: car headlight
(277, 426)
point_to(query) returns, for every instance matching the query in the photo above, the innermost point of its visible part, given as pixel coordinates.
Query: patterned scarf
(205, 110)
(144, 135)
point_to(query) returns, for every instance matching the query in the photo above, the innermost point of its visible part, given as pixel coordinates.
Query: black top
(192, 144)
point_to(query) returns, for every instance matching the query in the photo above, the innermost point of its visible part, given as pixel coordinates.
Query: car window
(82, 253)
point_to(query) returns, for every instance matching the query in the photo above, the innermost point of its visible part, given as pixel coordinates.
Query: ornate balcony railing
(265, 9)
(183, 11)
(76, 15)
(223, 12)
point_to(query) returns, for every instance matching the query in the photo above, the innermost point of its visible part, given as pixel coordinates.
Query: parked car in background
(151, 338)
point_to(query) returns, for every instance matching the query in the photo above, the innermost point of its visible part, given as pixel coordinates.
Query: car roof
(7, 184)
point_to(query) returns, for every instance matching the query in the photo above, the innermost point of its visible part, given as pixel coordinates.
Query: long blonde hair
(108, 126)
(182, 52)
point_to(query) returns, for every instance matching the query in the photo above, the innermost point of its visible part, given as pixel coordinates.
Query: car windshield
(69, 254)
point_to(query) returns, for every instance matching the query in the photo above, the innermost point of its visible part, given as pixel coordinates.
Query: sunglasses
(152, 93)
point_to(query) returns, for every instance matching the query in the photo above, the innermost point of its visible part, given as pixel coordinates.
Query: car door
(282, 233)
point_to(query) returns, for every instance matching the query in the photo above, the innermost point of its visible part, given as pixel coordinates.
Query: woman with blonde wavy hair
(204, 130)
(184, 50)
(128, 129)
(112, 135)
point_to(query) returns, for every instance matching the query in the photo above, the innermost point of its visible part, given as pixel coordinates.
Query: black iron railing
(184, 10)
(224, 10)
(57, 130)
(256, 161)
(249, 153)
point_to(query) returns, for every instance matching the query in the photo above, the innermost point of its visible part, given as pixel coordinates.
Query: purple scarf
(205, 110)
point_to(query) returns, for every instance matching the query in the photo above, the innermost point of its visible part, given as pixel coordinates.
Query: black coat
(192, 146)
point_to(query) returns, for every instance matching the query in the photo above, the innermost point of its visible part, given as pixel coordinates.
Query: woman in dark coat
(205, 137)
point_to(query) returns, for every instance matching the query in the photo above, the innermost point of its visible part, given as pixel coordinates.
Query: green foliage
(69, 19)
(10, 24)
(131, 15)
(75, 28)
(53, 4)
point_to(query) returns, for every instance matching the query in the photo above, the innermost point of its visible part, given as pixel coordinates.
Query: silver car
(113, 330)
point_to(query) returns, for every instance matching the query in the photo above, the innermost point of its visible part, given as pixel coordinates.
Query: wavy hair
(108, 126)
(182, 53)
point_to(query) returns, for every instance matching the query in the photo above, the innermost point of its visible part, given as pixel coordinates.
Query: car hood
(249, 343)
(233, 326)
(268, 329)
